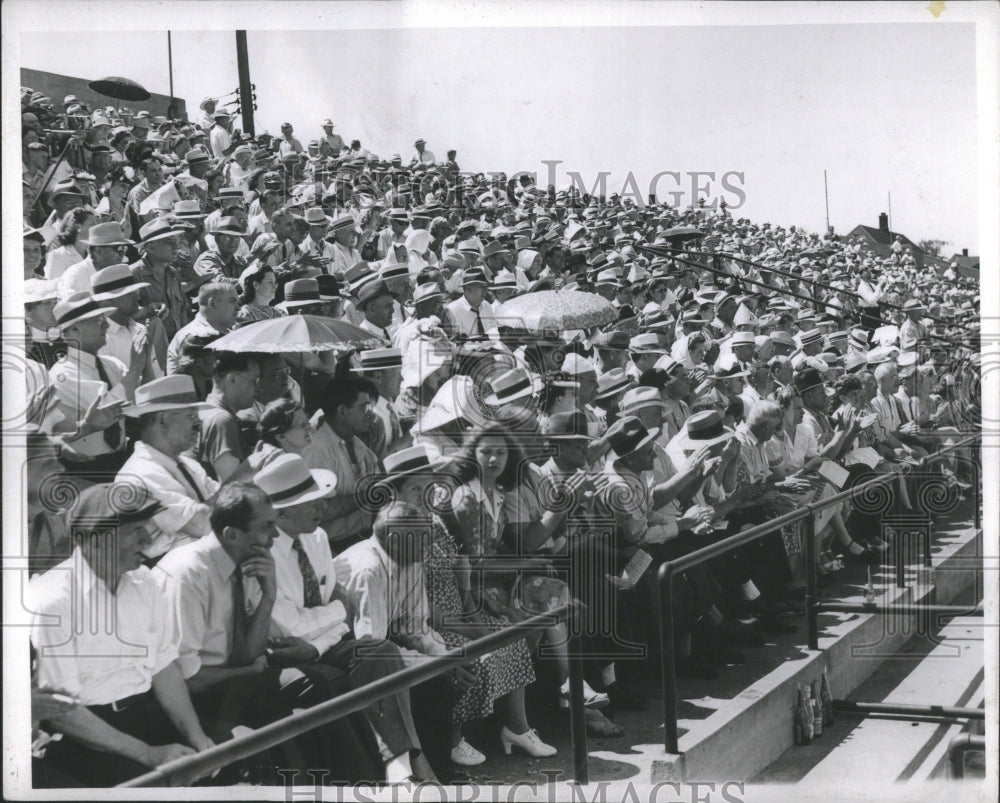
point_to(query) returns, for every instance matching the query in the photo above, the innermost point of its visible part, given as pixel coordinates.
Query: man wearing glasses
(220, 448)
(106, 244)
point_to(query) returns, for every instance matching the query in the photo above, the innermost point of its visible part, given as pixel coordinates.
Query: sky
(884, 109)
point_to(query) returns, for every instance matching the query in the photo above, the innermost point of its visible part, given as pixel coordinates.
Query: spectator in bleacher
(217, 303)
(134, 711)
(71, 242)
(309, 623)
(168, 426)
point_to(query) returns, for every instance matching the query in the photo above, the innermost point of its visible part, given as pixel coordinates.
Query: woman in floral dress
(500, 675)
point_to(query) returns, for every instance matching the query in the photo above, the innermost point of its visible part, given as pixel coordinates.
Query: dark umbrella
(119, 88)
(681, 233)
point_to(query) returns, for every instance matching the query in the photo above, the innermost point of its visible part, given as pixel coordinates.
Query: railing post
(807, 529)
(977, 496)
(668, 663)
(577, 717)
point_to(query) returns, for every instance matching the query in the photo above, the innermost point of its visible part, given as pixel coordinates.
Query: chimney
(883, 222)
(965, 252)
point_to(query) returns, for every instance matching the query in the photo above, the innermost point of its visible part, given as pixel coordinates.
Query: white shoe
(528, 742)
(466, 755)
(591, 698)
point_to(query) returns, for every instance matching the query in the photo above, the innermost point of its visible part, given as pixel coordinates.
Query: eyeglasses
(255, 380)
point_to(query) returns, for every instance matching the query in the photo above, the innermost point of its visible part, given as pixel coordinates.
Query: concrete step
(944, 670)
(742, 735)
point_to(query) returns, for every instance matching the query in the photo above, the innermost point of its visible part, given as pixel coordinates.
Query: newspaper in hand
(637, 567)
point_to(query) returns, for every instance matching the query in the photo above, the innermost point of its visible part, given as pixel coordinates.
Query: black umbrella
(681, 233)
(119, 88)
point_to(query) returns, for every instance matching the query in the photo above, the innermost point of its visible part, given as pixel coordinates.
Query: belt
(126, 702)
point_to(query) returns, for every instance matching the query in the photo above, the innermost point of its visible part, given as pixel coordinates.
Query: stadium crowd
(301, 416)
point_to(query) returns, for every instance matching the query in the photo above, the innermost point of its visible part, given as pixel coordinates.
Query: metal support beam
(942, 711)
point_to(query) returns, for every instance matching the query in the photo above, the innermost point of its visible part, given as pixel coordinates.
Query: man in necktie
(309, 624)
(473, 316)
(168, 425)
(221, 590)
(375, 301)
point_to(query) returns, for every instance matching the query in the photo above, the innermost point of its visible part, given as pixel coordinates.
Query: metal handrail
(189, 768)
(805, 515)
(958, 747)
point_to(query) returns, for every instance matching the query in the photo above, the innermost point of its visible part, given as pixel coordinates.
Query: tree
(933, 247)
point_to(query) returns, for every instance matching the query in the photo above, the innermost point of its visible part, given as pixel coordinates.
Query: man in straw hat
(83, 377)
(310, 625)
(384, 367)
(127, 710)
(164, 306)
(168, 425)
(106, 243)
(116, 288)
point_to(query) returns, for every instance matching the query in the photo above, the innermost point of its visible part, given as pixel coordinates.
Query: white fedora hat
(288, 481)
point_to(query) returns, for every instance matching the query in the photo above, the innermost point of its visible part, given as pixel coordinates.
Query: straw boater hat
(187, 210)
(408, 462)
(627, 436)
(288, 481)
(114, 282)
(379, 360)
(173, 392)
(510, 386)
(78, 307)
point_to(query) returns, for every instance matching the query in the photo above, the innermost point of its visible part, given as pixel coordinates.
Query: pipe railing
(184, 770)
(958, 747)
(805, 517)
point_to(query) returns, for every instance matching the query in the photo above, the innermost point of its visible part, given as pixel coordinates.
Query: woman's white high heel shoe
(466, 755)
(529, 742)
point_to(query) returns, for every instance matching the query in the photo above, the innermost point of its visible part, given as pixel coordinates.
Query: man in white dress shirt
(472, 315)
(115, 287)
(377, 303)
(344, 231)
(309, 622)
(169, 425)
(134, 711)
(105, 246)
(384, 367)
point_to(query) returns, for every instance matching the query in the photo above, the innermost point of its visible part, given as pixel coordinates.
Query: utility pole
(246, 88)
(890, 210)
(172, 107)
(826, 194)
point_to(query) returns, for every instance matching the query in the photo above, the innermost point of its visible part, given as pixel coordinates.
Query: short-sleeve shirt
(95, 645)
(220, 434)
